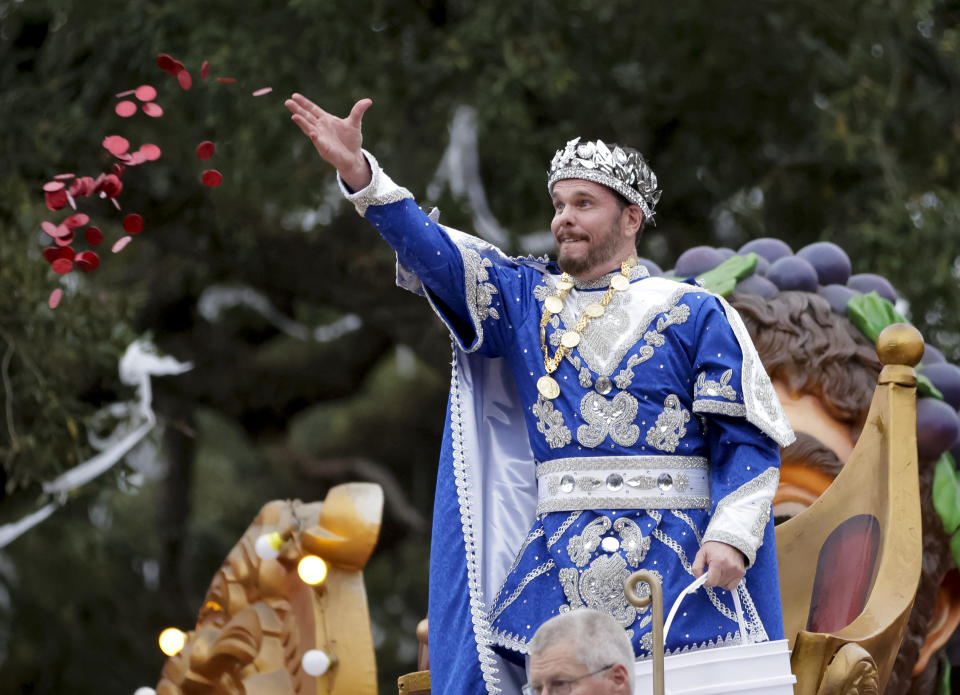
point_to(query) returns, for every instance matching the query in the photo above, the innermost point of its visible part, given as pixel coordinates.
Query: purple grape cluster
(825, 269)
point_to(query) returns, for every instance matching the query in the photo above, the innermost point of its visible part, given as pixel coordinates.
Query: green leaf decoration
(946, 496)
(926, 388)
(871, 313)
(722, 279)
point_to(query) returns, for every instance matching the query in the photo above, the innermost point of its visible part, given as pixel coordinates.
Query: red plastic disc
(263, 90)
(87, 261)
(94, 236)
(55, 298)
(62, 266)
(66, 252)
(77, 220)
(184, 78)
(226, 80)
(53, 186)
(205, 150)
(125, 108)
(116, 145)
(64, 240)
(51, 253)
(50, 228)
(165, 62)
(55, 201)
(125, 93)
(146, 92)
(211, 177)
(63, 177)
(204, 69)
(150, 151)
(121, 243)
(133, 224)
(153, 109)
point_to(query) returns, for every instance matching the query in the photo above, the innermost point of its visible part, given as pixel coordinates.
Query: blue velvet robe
(665, 434)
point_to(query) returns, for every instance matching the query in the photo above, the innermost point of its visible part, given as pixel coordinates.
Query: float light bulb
(315, 662)
(172, 641)
(312, 569)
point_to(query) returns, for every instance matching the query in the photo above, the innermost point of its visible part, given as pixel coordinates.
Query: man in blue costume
(600, 421)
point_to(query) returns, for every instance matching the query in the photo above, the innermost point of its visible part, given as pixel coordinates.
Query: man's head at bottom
(583, 652)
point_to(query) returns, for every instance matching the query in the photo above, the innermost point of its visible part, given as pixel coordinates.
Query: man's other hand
(338, 140)
(724, 564)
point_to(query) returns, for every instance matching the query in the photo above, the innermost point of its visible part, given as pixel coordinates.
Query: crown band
(623, 171)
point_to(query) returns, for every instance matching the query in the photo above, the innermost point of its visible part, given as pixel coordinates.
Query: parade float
(866, 508)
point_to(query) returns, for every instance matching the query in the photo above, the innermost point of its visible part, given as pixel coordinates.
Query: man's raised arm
(338, 140)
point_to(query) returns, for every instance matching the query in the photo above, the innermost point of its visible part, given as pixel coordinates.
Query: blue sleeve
(461, 276)
(744, 461)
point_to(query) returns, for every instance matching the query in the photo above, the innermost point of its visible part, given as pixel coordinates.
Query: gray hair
(596, 637)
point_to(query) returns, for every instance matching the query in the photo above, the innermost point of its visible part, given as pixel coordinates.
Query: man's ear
(632, 219)
(620, 677)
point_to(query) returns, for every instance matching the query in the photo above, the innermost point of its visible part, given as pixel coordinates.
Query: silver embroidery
(715, 389)
(580, 464)
(481, 626)
(613, 418)
(550, 423)
(582, 546)
(533, 535)
(510, 641)
(650, 502)
(681, 481)
(601, 588)
(671, 425)
(761, 523)
(479, 291)
(541, 292)
(529, 577)
(719, 408)
(763, 407)
(625, 377)
(562, 529)
(380, 191)
(633, 542)
(568, 582)
(586, 380)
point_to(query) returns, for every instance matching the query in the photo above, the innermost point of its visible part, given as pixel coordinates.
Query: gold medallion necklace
(547, 385)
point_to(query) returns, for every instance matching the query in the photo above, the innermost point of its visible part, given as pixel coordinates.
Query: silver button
(665, 482)
(566, 483)
(610, 544)
(614, 482)
(603, 385)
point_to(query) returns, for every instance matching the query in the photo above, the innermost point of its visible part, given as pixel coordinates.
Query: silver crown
(625, 172)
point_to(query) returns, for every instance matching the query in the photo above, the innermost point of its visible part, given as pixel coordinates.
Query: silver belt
(623, 482)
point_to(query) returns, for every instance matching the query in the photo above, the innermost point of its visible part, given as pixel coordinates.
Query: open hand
(338, 140)
(725, 565)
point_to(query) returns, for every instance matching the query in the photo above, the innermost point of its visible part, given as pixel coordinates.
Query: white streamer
(138, 364)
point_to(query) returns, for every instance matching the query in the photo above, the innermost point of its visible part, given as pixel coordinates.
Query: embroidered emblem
(613, 418)
(632, 541)
(582, 546)
(654, 339)
(670, 427)
(601, 588)
(715, 389)
(475, 267)
(550, 423)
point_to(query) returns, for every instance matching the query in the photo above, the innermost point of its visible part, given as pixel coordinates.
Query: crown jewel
(625, 171)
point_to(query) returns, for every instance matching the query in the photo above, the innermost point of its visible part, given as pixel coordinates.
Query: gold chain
(550, 364)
